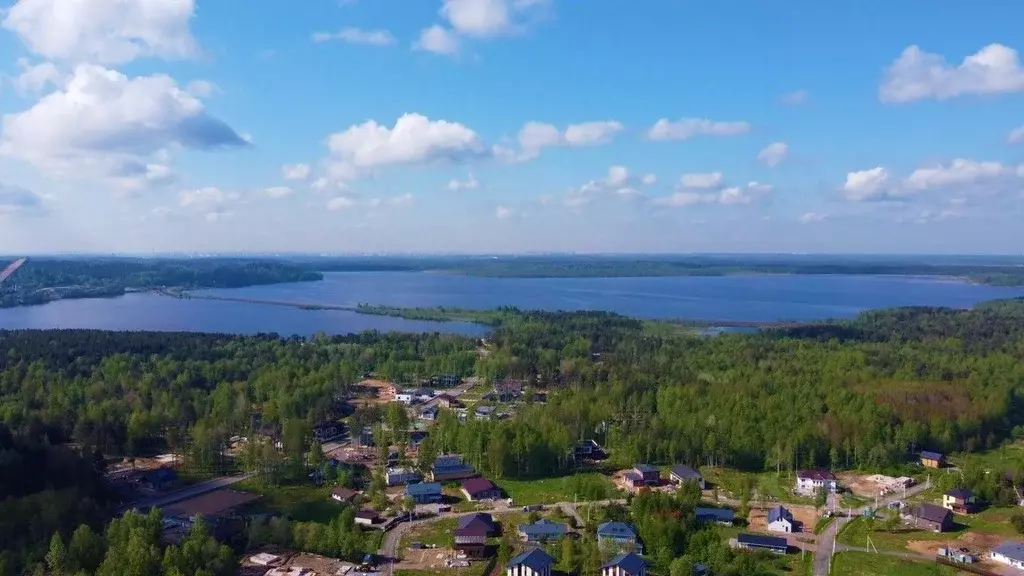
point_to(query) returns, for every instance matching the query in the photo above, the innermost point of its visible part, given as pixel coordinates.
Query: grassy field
(438, 533)
(865, 564)
(992, 521)
(769, 486)
(304, 502)
(823, 523)
(552, 490)
(1006, 457)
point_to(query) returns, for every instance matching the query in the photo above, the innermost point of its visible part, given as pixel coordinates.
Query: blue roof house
(618, 536)
(425, 493)
(719, 515)
(625, 564)
(780, 520)
(542, 530)
(532, 562)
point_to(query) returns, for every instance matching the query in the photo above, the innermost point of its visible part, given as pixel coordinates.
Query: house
(932, 459)
(404, 397)
(484, 412)
(480, 489)
(481, 521)
(589, 449)
(543, 530)
(960, 500)
(532, 562)
(723, 516)
(618, 535)
(159, 479)
(931, 517)
(450, 467)
(366, 518)
(642, 475)
(780, 520)
(758, 542)
(809, 482)
(346, 495)
(426, 493)
(682, 473)
(513, 387)
(325, 431)
(398, 476)
(1009, 553)
(446, 401)
(430, 413)
(625, 564)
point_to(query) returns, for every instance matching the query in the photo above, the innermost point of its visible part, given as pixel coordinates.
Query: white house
(404, 398)
(1009, 553)
(533, 562)
(780, 520)
(808, 482)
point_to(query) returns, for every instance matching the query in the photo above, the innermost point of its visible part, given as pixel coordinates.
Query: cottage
(424, 493)
(780, 520)
(618, 535)
(625, 564)
(159, 479)
(932, 459)
(430, 413)
(471, 541)
(1009, 553)
(931, 517)
(809, 482)
(399, 476)
(404, 397)
(345, 495)
(543, 530)
(589, 449)
(484, 412)
(758, 542)
(446, 401)
(480, 489)
(960, 500)
(682, 473)
(724, 516)
(533, 562)
(367, 518)
(451, 467)
(481, 522)
(643, 475)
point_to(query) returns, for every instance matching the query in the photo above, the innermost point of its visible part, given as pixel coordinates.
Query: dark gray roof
(778, 512)
(685, 472)
(644, 468)
(716, 514)
(933, 513)
(931, 455)
(961, 493)
(619, 530)
(630, 562)
(544, 527)
(465, 521)
(759, 541)
(1011, 549)
(535, 559)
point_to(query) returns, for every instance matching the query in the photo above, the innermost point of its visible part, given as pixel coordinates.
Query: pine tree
(57, 556)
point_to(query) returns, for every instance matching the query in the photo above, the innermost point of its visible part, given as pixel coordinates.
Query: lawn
(302, 502)
(866, 564)
(1006, 457)
(565, 489)
(992, 521)
(823, 523)
(768, 486)
(438, 533)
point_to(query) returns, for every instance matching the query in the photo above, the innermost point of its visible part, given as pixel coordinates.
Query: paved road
(161, 500)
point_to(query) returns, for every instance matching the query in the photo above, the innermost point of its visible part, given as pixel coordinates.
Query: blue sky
(511, 126)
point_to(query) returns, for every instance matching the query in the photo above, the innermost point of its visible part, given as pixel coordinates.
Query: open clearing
(806, 518)
(866, 564)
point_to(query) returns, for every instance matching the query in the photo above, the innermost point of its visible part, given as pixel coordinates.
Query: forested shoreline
(865, 394)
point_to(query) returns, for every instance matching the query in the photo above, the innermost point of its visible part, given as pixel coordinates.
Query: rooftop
(536, 559)
(719, 514)
(645, 468)
(423, 489)
(544, 527)
(929, 455)
(961, 493)
(1011, 549)
(616, 530)
(932, 513)
(760, 541)
(815, 474)
(779, 513)
(629, 562)
(685, 472)
(477, 485)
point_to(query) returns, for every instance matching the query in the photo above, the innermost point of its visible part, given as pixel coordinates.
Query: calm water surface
(746, 298)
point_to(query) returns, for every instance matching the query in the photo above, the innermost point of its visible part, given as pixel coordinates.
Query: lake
(733, 298)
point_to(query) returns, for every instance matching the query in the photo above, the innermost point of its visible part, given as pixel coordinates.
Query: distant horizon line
(216, 254)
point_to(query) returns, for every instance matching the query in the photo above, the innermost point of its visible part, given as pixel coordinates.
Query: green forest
(866, 394)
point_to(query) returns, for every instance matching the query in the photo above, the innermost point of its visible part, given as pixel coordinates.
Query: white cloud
(701, 180)
(104, 31)
(502, 212)
(650, 179)
(202, 88)
(211, 202)
(618, 176)
(809, 217)
(402, 201)
(414, 139)
(679, 199)
(340, 203)
(15, 199)
(35, 78)
(535, 136)
(483, 18)
(917, 75)
(295, 171)
(773, 153)
(628, 192)
(278, 191)
(136, 176)
(748, 194)
(796, 98)
(1016, 136)
(960, 172)
(469, 183)
(357, 36)
(689, 127)
(867, 184)
(102, 118)
(439, 40)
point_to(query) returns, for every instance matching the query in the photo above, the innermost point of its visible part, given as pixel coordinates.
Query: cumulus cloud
(340, 203)
(733, 195)
(484, 18)
(202, 88)
(773, 153)
(809, 217)
(357, 36)
(796, 98)
(295, 171)
(116, 120)
(278, 191)
(439, 40)
(35, 78)
(956, 176)
(502, 212)
(104, 31)
(918, 75)
(134, 176)
(470, 183)
(703, 180)
(618, 176)
(687, 128)
(960, 172)
(534, 137)
(211, 202)
(867, 184)
(414, 139)
(1016, 136)
(402, 201)
(15, 199)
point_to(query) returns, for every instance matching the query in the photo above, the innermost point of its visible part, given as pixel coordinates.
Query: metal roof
(1011, 549)
(423, 489)
(759, 541)
(535, 559)
(718, 514)
(779, 513)
(630, 562)
(616, 530)
(685, 472)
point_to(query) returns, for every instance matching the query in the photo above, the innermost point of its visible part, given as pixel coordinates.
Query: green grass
(768, 485)
(848, 500)
(438, 533)
(1007, 457)
(866, 564)
(302, 502)
(552, 490)
(991, 521)
(823, 523)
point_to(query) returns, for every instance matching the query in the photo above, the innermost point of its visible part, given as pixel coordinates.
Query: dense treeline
(42, 280)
